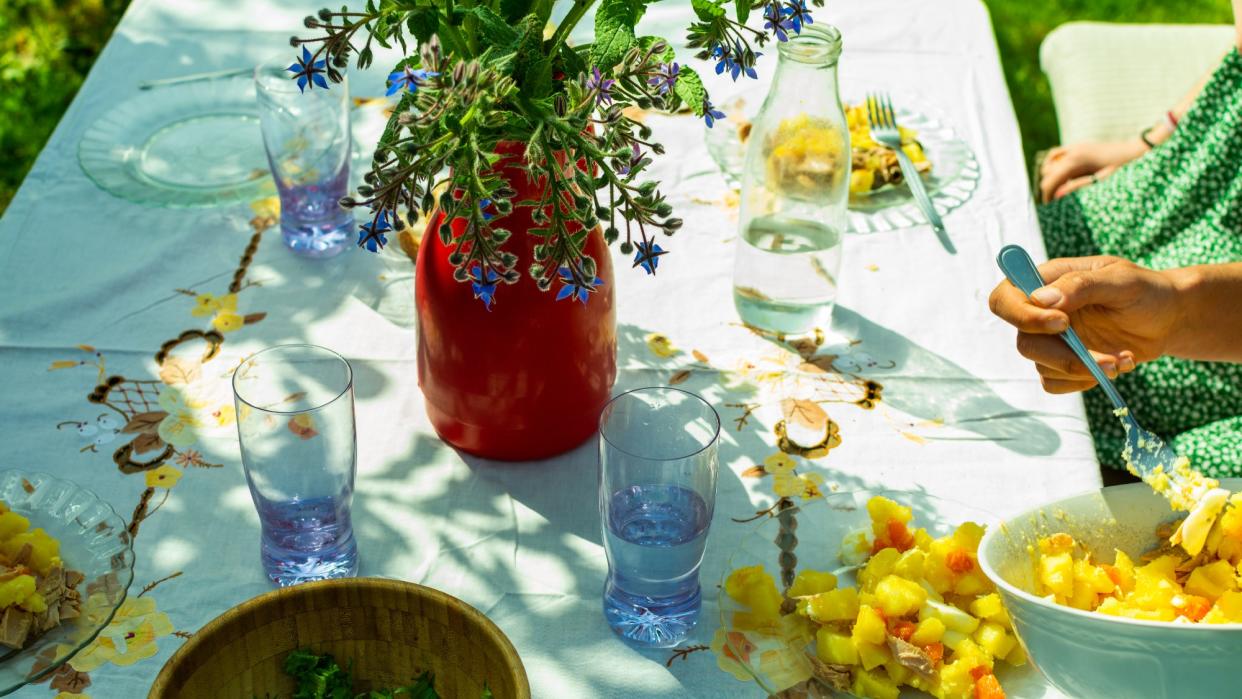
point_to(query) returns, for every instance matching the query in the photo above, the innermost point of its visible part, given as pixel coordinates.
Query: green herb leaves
(614, 31)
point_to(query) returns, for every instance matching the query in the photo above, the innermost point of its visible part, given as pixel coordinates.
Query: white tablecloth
(960, 414)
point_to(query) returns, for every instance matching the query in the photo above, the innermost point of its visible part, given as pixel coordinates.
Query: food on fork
(36, 592)
(923, 614)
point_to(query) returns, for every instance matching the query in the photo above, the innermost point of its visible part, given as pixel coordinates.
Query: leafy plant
(320, 677)
(481, 74)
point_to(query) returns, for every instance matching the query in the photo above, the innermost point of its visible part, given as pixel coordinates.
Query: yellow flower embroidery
(163, 477)
(779, 463)
(812, 486)
(226, 319)
(787, 485)
(204, 305)
(660, 345)
(227, 322)
(129, 638)
(178, 427)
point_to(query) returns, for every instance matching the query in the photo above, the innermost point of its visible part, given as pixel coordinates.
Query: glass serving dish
(94, 541)
(953, 178)
(822, 524)
(194, 144)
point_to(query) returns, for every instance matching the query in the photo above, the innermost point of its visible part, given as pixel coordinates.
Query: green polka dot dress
(1178, 205)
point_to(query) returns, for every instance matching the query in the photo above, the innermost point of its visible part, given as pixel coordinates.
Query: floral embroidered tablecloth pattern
(120, 326)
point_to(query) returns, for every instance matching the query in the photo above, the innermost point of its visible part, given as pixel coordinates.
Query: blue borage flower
(407, 78)
(483, 284)
(372, 235)
(647, 256)
(309, 72)
(574, 288)
(710, 113)
(635, 161)
(601, 86)
(777, 21)
(798, 14)
(666, 79)
(732, 60)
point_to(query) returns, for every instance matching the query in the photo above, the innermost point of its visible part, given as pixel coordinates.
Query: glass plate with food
(870, 594)
(66, 563)
(879, 198)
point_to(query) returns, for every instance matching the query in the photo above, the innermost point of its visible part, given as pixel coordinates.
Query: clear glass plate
(822, 524)
(93, 541)
(194, 144)
(953, 178)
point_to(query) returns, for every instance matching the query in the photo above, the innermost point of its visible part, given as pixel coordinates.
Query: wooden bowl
(390, 630)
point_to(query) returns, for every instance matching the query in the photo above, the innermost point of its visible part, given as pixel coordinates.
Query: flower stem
(568, 23)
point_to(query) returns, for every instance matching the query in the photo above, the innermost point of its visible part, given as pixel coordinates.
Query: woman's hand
(1068, 168)
(1124, 313)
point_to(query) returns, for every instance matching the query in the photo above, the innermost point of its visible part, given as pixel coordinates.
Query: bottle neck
(807, 66)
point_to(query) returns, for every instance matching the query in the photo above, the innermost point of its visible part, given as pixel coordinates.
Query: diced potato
(870, 626)
(993, 638)
(835, 605)
(899, 597)
(12, 524)
(812, 582)
(1212, 580)
(881, 564)
(835, 647)
(1092, 577)
(16, 590)
(1056, 574)
(34, 603)
(897, 672)
(874, 685)
(870, 655)
(910, 565)
(881, 510)
(929, 630)
(988, 607)
(971, 584)
(968, 535)
(953, 639)
(753, 587)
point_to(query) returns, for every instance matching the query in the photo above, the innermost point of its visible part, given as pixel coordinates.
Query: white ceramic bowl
(1093, 656)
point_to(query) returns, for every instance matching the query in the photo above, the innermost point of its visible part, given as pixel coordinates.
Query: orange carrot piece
(959, 561)
(903, 629)
(935, 651)
(988, 687)
(901, 537)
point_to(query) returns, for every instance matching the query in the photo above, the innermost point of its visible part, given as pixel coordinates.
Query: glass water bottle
(795, 190)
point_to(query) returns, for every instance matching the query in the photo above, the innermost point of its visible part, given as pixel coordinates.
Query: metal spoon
(1146, 454)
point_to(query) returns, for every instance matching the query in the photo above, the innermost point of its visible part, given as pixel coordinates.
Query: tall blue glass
(308, 146)
(295, 419)
(657, 492)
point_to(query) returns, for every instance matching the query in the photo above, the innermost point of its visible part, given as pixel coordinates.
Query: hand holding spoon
(1146, 455)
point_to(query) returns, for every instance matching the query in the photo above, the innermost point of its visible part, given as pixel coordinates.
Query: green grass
(1022, 24)
(47, 47)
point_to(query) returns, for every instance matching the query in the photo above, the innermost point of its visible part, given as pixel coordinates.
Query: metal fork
(1151, 458)
(884, 131)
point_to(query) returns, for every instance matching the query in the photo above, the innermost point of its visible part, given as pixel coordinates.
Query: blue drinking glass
(657, 492)
(295, 419)
(308, 146)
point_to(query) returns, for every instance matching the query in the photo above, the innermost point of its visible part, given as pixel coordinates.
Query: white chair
(1111, 81)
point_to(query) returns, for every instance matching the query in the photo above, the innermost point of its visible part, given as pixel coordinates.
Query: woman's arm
(1237, 21)
(1125, 314)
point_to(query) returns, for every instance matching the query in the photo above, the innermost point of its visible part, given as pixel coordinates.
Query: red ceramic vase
(527, 379)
